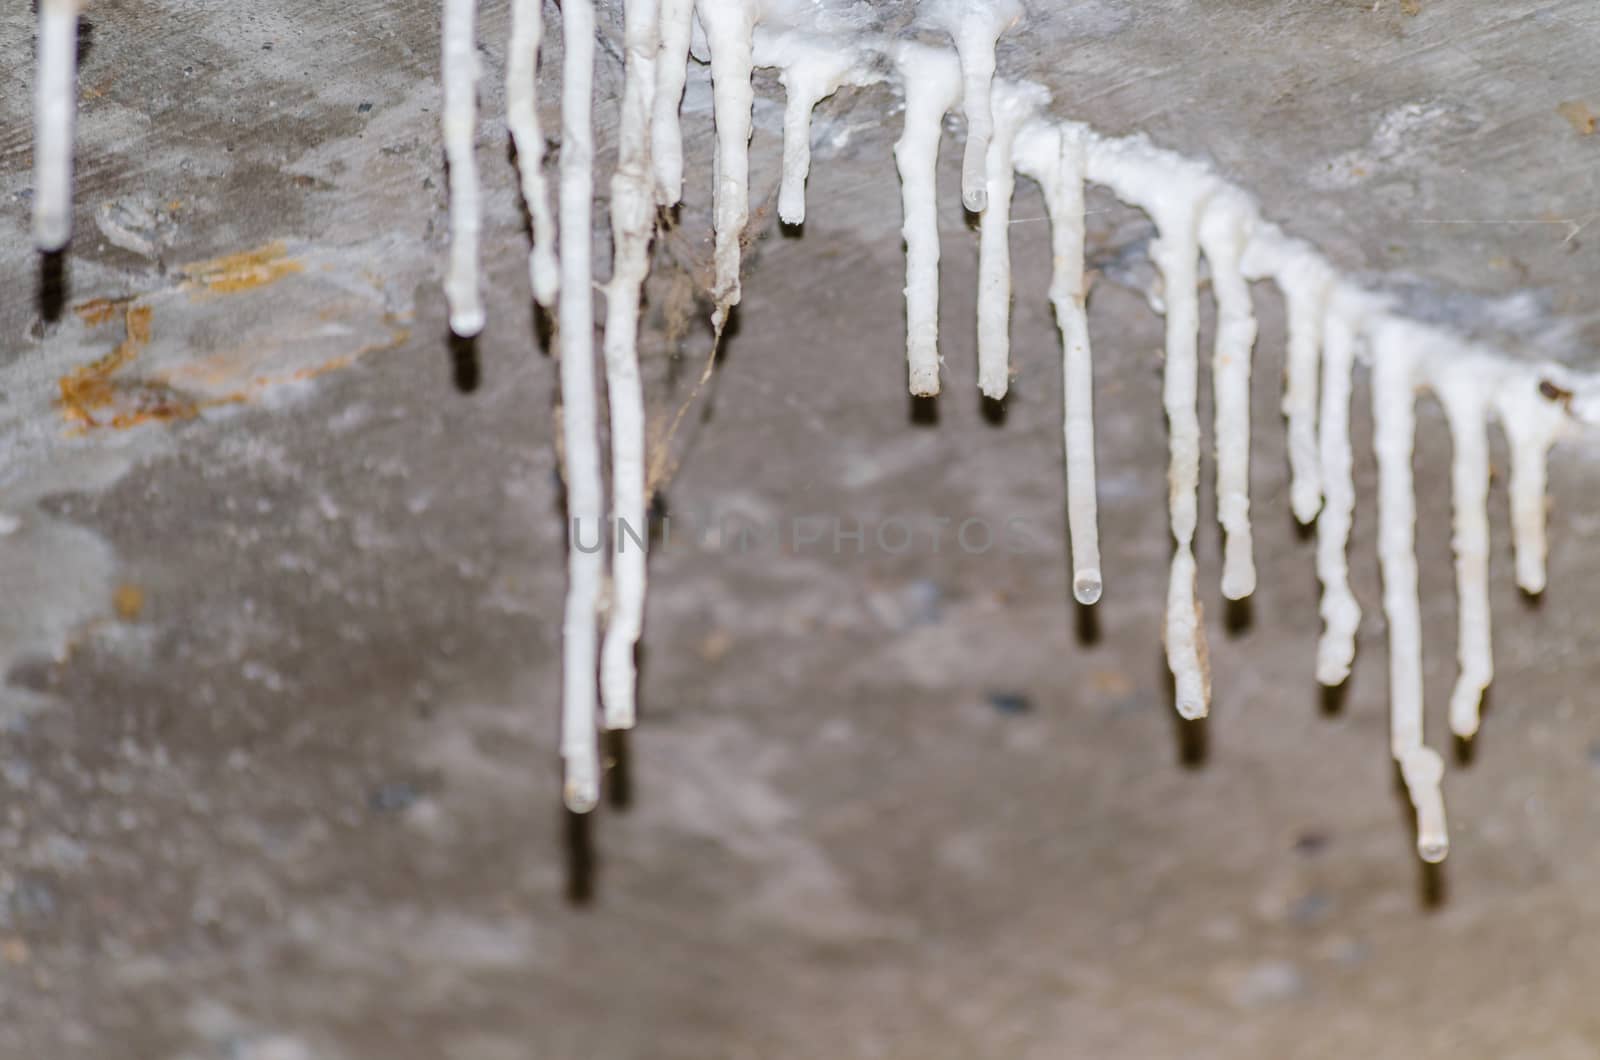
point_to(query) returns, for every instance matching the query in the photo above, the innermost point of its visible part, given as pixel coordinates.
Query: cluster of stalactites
(599, 675)
(1330, 324)
(1198, 216)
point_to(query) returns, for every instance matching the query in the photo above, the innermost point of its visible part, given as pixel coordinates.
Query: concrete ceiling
(281, 574)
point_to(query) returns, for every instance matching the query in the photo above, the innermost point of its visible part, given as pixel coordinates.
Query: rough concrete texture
(282, 577)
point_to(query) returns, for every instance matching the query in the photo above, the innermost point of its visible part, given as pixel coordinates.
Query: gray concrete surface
(282, 584)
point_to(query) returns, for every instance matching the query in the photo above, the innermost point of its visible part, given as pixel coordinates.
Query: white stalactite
(1055, 156)
(1394, 382)
(55, 113)
(1174, 193)
(1465, 400)
(1306, 288)
(1423, 770)
(666, 133)
(932, 79)
(460, 120)
(809, 74)
(975, 26)
(585, 501)
(632, 224)
(1341, 614)
(522, 116)
(1225, 229)
(1177, 257)
(1532, 423)
(1014, 104)
(730, 28)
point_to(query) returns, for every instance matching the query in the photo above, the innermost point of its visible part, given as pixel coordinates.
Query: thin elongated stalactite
(1224, 233)
(1014, 104)
(55, 106)
(632, 223)
(460, 120)
(1466, 409)
(974, 27)
(1178, 258)
(1533, 421)
(809, 75)
(666, 134)
(1307, 284)
(1395, 379)
(579, 426)
(1174, 193)
(1341, 613)
(730, 32)
(932, 79)
(522, 117)
(1055, 157)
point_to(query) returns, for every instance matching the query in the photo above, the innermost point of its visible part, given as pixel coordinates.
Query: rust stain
(93, 396)
(1579, 116)
(97, 311)
(245, 271)
(220, 369)
(107, 393)
(128, 601)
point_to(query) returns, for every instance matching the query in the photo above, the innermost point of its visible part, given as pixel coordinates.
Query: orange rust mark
(97, 311)
(99, 395)
(232, 366)
(1579, 116)
(128, 601)
(92, 396)
(242, 272)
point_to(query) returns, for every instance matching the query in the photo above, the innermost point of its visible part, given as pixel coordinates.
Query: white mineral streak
(1055, 157)
(522, 116)
(1174, 192)
(730, 27)
(1225, 228)
(632, 224)
(1341, 614)
(55, 107)
(672, 67)
(1532, 423)
(1396, 346)
(1465, 398)
(585, 502)
(810, 71)
(932, 79)
(460, 121)
(1014, 104)
(975, 27)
